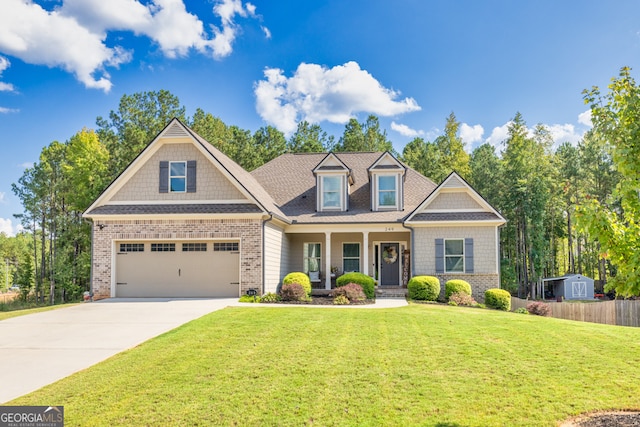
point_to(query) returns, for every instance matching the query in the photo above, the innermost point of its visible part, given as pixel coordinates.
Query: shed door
(579, 289)
(177, 269)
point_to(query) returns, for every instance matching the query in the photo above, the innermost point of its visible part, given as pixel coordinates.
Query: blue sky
(410, 62)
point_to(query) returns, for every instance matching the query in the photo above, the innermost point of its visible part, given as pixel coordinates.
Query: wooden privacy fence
(618, 312)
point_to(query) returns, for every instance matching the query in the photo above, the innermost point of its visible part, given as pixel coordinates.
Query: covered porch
(325, 252)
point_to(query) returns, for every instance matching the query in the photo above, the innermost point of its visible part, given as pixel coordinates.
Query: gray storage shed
(569, 286)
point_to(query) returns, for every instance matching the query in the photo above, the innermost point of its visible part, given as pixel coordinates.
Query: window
(454, 256)
(194, 247)
(312, 257)
(177, 177)
(331, 192)
(226, 247)
(351, 257)
(387, 193)
(163, 247)
(131, 247)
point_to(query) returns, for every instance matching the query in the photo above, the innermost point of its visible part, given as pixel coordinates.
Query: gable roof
(386, 162)
(331, 163)
(454, 183)
(290, 180)
(240, 178)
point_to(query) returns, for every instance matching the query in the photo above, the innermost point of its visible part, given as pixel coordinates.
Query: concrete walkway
(39, 349)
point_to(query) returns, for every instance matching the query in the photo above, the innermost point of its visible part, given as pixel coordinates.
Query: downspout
(264, 273)
(411, 252)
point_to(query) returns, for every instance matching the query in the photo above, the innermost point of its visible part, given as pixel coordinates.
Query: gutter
(264, 273)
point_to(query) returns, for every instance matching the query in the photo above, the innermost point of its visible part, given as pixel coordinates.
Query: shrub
(299, 278)
(249, 298)
(521, 310)
(293, 292)
(498, 299)
(460, 298)
(453, 303)
(426, 288)
(270, 297)
(539, 308)
(341, 300)
(351, 291)
(367, 283)
(456, 286)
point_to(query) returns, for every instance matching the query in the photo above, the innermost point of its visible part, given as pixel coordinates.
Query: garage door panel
(197, 271)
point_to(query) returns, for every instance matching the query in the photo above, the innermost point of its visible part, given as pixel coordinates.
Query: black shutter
(191, 176)
(439, 256)
(164, 177)
(468, 255)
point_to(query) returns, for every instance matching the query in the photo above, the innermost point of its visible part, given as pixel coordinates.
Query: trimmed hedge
(367, 283)
(456, 286)
(423, 288)
(498, 299)
(293, 292)
(299, 278)
(351, 291)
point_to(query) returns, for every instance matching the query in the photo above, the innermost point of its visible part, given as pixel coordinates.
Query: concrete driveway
(39, 349)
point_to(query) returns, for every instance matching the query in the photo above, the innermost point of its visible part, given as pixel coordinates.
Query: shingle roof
(244, 178)
(290, 181)
(142, 209)
(455, 216)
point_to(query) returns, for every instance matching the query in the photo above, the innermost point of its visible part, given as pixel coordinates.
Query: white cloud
(406, 130)
(316, 93)
(471, 134)
(499, 134)
(4, 110)
(6, 227)
(564, 133)
(585, 118)
(559, 133)
(1, 197)
(4, 64)
(26, 165)
(73, 36)
(266, 31)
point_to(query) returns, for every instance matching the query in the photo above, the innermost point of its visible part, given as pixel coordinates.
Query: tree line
(550, 197)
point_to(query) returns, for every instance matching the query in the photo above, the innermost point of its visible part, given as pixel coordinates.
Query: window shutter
(439, 256)
(164, 177)
(468, 255)
(191, 176)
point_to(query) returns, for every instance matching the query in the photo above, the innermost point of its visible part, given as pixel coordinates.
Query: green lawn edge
(417, 365)
(23, 312)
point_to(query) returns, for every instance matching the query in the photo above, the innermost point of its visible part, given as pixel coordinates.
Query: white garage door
(178, 269)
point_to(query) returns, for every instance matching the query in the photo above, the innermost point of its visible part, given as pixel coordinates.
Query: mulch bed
(323, 300)
(605, 419)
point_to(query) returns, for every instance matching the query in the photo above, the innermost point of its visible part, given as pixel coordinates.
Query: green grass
(25, 311)
(418, 365)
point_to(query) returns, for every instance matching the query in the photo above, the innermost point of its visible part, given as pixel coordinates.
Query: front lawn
(418, 365)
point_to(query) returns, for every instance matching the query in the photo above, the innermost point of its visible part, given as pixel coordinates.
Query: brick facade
(248, 231)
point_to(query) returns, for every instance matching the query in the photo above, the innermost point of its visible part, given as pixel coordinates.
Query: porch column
(327, 260)
(365, 252)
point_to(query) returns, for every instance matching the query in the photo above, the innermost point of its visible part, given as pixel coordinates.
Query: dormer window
(387, 191)
(333, 178)
(386, 177)
(332, 192)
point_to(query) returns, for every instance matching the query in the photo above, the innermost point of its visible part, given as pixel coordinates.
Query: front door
(389, 264)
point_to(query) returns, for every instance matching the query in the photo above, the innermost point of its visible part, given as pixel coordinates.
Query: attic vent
(175, 131)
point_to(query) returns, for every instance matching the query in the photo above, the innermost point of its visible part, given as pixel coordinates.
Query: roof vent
(175, 131)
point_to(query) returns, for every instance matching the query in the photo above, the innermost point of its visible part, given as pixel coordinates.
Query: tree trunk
(572, 261)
